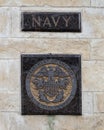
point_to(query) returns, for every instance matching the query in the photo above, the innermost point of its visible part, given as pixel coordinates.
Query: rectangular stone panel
(87, 103)
(5, 21)
(51, 21)
(12, 48)
(97, 3)
(9, 101)
(93, 75)
(51, 84)
(97, 49)
(99, 102)
(14, 121)
(92, 122)
(44, 2)
(9, 75)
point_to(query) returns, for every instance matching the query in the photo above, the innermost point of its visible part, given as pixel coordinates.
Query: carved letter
(55, 21)
(36, 22)
(47, 22)
(66, 20)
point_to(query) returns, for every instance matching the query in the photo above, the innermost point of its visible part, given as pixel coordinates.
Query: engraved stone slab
(51, 84)
(51, 22)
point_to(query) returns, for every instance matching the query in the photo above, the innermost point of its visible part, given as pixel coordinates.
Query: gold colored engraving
(55, 89)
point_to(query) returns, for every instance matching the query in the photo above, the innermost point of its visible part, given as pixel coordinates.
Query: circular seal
(51, 84)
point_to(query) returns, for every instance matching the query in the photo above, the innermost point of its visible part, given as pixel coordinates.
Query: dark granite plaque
(51, 22)
(51, 84)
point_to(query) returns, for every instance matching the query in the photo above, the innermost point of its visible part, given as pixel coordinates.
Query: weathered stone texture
(92, 23)
(9, 75)
(12, 48)
(97, 49)
(65, 123)
(5, 22)
(87, 103)
(99, 102)
(44, 2)
(97, 3)
(93, 76)
(9, 2)
(9, 101)
(57, 3)
(14, 121)
(94, 122)
(4, 121)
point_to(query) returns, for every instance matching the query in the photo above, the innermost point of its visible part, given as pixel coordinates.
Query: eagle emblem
(51, 81)
(49, 84)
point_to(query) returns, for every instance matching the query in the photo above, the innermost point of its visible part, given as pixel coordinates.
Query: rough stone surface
(4, 121)
(5, 22)
(94, 122)
(93, 76)
(9, 2)
(65, 123)
(97, 3)
(44, 2)
(87, 103)
(9, 75)
(9, 101)
(11, 121)
(99, 102)
(14, 121)
(92, 22)
(12, 48)
(19, 122)
(97, 49)
(56, 3)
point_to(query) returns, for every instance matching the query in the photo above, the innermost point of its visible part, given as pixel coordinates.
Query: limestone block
(97, 3)
(99, 102)
(56, 3)
(93, 22)
(9, 75)
(65, 123)
(11, 121)
(89, 122)
(44, 2)
(4, 121)
(97, 49)
(9, 2)
(5, 22)
(12, 48)
(9, 101)
(93, 76)
(18, 122)
(93, 122)
(87, 103)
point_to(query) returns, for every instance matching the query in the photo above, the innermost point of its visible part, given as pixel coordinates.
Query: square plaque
(51, 84)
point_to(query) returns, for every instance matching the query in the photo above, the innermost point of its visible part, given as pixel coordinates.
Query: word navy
(50, 21)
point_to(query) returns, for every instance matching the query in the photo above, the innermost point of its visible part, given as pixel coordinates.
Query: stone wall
(89, 43)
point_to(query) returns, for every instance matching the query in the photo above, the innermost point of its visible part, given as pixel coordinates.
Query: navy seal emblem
(51, 84)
